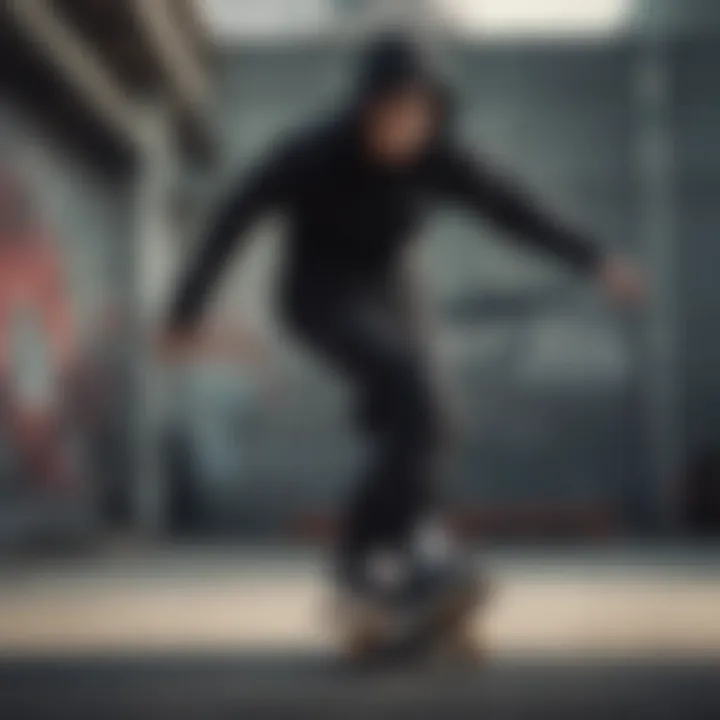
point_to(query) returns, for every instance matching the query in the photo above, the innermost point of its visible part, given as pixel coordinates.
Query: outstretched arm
(263, 189)
(458, 176)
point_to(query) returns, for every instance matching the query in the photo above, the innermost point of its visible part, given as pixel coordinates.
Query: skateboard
(448, 631)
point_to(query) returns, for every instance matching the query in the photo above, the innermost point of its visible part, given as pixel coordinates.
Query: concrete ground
(195, 631)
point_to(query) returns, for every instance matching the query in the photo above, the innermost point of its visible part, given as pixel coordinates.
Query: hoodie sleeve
(263, 189)
(459, 177)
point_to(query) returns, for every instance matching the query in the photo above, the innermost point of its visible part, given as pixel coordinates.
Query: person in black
(354, 191)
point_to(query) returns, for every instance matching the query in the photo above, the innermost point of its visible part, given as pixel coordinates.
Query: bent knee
(408, 409)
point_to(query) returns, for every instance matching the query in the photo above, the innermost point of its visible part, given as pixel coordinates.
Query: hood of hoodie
(393, 63)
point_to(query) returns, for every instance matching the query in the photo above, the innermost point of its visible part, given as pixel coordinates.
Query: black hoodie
(349, 217)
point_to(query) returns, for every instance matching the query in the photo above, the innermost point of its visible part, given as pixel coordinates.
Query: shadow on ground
(302, 685)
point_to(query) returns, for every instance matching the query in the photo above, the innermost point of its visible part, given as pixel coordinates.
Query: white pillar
(154, 252)
(658, 372)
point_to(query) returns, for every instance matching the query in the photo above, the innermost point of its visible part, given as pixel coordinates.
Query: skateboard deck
(449, 631)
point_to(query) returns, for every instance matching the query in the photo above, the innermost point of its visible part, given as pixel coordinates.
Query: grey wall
(696, 124)
(679, 17)
(548, 422)
(544, 394)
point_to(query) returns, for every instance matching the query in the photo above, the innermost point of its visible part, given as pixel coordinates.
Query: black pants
(372, 345)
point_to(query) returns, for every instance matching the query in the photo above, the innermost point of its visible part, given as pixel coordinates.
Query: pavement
(220, 632)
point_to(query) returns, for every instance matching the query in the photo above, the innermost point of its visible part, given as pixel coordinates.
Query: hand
(176, 343)
(621, 282)
(212, 342)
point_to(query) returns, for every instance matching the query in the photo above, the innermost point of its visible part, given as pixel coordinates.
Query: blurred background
(122, 120)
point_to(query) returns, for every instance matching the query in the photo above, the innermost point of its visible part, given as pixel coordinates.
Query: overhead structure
(85, 69)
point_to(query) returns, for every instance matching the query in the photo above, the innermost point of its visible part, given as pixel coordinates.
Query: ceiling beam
(169, 35)
(62, 88)
(79, 66)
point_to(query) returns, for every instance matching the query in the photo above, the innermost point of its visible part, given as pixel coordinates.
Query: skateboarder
(354, 190)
